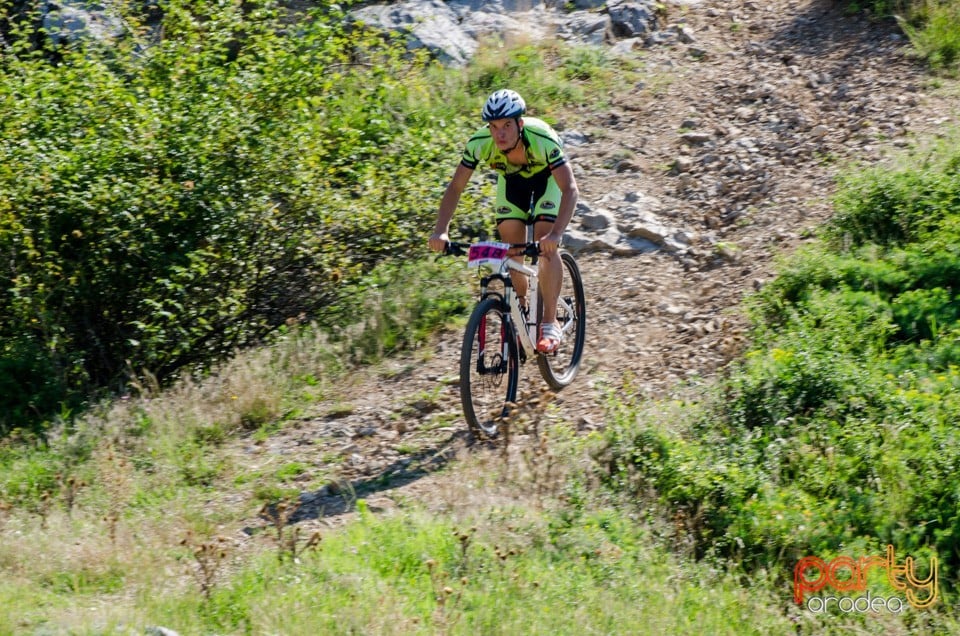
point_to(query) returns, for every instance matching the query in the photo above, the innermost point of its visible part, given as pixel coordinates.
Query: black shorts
(528, 199)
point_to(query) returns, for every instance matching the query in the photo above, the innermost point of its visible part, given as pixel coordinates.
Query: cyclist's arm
(563, 175)
(448, 205)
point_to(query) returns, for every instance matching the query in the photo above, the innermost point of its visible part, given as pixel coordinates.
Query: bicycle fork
(500, 364)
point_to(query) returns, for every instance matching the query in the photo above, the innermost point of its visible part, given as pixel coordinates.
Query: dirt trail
(739, 135)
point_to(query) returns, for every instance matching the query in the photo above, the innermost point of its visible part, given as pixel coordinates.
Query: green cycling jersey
(544, 150)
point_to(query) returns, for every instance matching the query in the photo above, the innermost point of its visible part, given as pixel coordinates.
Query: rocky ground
(734, 139)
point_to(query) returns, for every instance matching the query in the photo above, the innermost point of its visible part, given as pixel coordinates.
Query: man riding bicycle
(535, 186)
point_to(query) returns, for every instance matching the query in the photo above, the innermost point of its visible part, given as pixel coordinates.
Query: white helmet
(503, 104)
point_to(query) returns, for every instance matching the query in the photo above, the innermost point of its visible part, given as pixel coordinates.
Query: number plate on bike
(487, 253)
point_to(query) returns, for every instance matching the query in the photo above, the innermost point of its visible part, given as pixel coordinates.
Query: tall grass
(495, 566)
(933, 27)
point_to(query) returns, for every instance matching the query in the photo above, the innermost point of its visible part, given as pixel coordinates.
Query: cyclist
(535, 186)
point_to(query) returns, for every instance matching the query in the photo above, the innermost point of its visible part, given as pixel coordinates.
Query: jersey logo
(503, 210)
(555, 153)
(547, 205)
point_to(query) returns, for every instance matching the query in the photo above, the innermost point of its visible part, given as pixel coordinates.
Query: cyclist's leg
(512, 218)
(515, 231)
(551, 270)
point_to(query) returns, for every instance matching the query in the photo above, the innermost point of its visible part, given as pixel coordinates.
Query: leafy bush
(893, 207)
(162, 207)
(837, 432)
(28, 380)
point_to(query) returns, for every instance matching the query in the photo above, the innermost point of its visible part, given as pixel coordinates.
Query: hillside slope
(739, 136)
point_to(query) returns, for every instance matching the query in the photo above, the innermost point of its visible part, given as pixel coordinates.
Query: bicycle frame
(528, 334)
(525, 326)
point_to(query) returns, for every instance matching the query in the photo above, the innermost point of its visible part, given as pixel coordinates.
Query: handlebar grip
(453, 248)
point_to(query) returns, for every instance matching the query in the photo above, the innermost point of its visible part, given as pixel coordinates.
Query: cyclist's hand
(549, 244)
(438, 241)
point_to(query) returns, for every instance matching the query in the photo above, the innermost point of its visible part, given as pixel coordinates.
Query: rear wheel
(560, 367)
(488, 368)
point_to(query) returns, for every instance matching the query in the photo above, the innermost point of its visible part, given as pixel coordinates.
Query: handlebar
(455, 248)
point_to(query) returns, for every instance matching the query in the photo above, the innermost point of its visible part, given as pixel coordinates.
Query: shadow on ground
(340, 498)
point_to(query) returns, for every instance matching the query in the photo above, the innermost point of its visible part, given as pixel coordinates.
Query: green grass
(494, 564)
(934, 31)
(412, 574)
(492, 569)
(933, 27)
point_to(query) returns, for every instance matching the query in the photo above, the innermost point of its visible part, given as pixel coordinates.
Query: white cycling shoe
(550, 338)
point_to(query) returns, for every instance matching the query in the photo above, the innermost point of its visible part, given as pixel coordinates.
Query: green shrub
(162, 209)
(530, 71)
(836, 432)
(888, 207)
(933, 27)
(28, 382)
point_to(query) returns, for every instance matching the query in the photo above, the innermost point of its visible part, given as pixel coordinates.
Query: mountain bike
(501, 334)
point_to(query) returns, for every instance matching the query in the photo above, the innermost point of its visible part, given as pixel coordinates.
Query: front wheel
(489, 369)
(560, 367)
